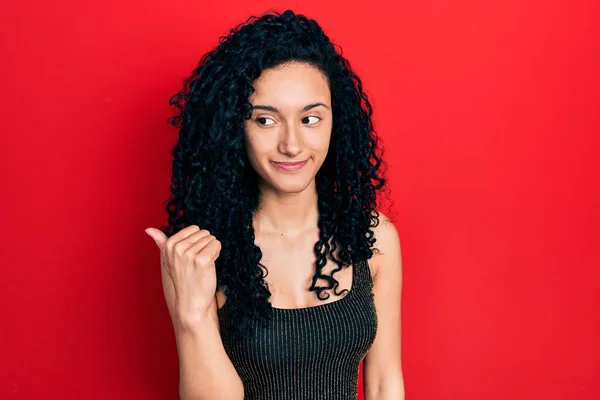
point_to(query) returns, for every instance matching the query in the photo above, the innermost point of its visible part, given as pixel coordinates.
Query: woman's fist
(187, 259)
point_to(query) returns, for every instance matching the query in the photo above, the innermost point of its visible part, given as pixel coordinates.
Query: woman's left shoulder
(386, 246)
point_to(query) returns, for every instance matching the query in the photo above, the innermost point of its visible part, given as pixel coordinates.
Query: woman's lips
(287, 166)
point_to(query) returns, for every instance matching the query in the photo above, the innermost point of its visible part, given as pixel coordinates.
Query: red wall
(489, 112)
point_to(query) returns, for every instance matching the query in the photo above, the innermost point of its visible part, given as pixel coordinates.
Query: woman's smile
(290, 166)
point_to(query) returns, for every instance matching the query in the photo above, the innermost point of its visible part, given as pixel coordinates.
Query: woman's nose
(291, 141)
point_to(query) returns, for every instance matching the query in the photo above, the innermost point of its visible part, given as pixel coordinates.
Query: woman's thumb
(159, 237)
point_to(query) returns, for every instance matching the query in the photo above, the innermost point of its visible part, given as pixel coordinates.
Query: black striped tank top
(308, 353)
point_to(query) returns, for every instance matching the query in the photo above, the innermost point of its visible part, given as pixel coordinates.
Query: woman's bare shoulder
(387, 241)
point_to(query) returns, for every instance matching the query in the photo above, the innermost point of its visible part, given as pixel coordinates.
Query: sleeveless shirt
(308, 353)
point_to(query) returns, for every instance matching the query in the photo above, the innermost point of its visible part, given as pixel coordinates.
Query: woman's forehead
(291, 87)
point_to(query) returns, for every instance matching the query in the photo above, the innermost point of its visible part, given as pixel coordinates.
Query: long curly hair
(214, 186)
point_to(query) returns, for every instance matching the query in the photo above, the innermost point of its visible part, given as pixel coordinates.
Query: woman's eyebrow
(274, 109)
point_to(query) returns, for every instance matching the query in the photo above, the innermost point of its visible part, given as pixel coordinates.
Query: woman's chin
(289, 185)
(291, 188)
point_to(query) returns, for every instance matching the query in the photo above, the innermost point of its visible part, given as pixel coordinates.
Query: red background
(489, 115)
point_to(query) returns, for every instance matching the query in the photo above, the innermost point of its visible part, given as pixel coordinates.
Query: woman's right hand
(188, 259)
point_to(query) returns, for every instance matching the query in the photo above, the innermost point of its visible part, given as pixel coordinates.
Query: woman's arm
(205, 370)
(383, 377)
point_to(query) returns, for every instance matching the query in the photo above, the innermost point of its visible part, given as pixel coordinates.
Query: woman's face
(291, 122)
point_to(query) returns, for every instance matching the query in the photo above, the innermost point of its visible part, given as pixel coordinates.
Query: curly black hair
(214, 186)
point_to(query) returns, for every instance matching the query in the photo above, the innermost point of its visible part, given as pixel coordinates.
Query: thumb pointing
(156, 236)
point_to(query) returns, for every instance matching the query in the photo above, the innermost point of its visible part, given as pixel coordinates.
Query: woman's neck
(287, 214)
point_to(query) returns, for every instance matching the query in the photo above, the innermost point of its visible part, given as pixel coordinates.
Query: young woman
(270, 271)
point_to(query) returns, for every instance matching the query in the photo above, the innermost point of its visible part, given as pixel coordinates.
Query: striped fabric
(308, 353)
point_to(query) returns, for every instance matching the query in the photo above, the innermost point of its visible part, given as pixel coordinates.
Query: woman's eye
(261, 120)
(312, 116)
